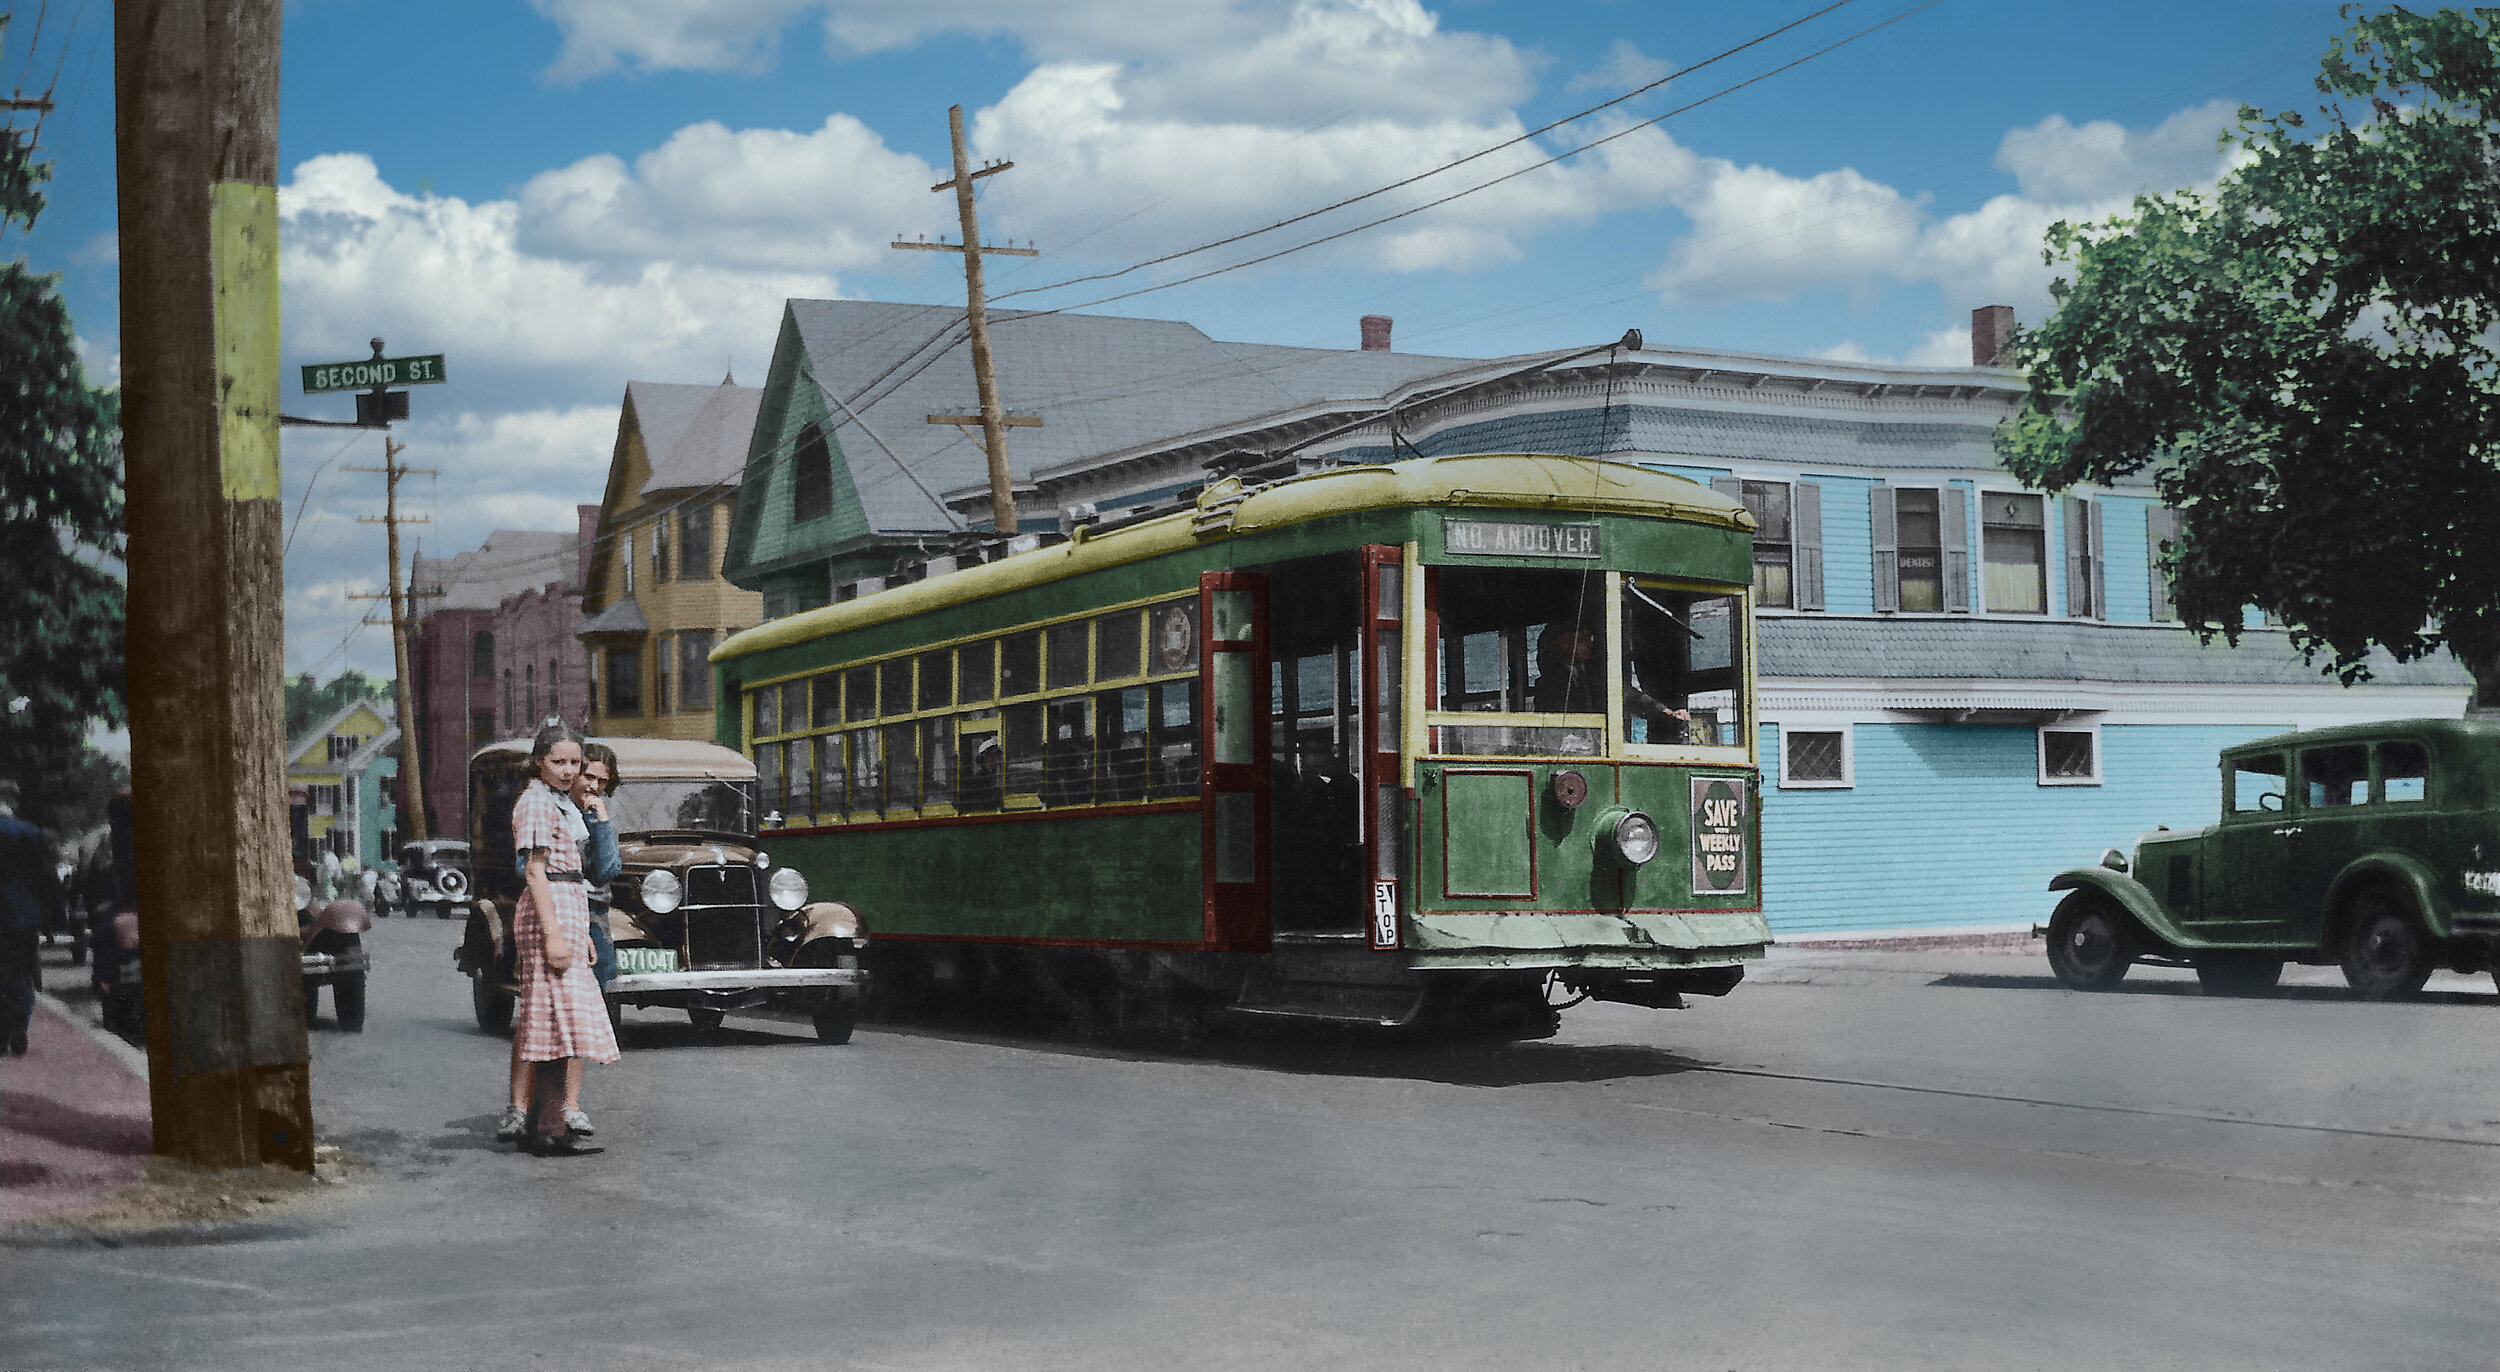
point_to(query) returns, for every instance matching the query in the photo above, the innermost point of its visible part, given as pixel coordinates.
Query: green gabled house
(845, 473)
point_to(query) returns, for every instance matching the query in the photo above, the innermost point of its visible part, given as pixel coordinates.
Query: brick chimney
(1376, 333)
(1990, 327)
(587, 516)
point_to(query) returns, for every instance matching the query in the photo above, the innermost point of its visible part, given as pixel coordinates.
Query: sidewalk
(73, 1112)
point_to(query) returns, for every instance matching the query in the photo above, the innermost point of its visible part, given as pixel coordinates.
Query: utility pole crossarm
(962, 177)
(1013, 421)
(943, 246)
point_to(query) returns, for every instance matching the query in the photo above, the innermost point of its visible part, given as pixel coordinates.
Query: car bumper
(736, 979)
(320, 965)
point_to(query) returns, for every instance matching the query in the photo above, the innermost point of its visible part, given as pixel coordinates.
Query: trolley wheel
(492, 1007)
(835, 1019)
(2238, 974)
(2386, 952)
(706, 1019)
(2092, 943)
(349, 994)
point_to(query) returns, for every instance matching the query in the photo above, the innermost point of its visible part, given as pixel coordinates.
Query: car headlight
(1630, 837)
(661, 892)
(761, 860)
(303, 894)
(787, 888)
(2114, 860)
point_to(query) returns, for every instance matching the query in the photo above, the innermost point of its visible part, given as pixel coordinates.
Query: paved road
(1856, 1160)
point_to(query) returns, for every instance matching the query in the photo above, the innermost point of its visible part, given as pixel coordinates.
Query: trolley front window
(1684, 666)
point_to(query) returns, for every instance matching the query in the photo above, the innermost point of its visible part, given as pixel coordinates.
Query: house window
(482, 654)
(389, 788)
(659, 550)
(659, 677)
(1922, 551)
(507, 699)
(1813, 759)
(629, 564)
(341, 746)
(2070, 755)
(694, 544)
(811, 476)
(529, 693)
(624, 681)
(694, 676)
(2013, 554)
(1773, 543)
(386, 840)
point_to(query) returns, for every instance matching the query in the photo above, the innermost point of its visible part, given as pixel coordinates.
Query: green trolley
(1451, 741)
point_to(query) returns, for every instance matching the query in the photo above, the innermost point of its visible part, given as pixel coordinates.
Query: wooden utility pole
(411, 774)
(195, 99)
(994, 419)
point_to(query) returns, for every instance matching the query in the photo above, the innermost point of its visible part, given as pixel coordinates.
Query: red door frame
(1236, 912)
(1383, 875)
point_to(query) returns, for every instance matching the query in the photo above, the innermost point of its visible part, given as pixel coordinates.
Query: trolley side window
(1684, 673)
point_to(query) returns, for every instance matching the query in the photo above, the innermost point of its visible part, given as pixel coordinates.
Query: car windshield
(724, 806)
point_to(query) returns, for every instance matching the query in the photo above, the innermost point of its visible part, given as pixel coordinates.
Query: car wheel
(706, 1019)
(2238, 974)
(349, 994)
(2092, 943)
(492, 1007)
(835, 1019)
(2386, 953)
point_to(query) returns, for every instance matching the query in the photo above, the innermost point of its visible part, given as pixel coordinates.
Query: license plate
(633, 960)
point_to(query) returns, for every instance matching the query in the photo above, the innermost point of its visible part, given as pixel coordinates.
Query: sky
(564, 195)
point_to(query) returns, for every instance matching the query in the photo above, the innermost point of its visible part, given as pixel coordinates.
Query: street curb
(123, 1053)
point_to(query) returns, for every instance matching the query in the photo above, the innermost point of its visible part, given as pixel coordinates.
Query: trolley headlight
(661, 892)
(787, 888)
(1628, 836)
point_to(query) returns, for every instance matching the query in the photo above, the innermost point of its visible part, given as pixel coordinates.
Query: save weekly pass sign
(1719, 836)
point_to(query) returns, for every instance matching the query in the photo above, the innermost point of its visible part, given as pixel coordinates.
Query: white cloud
(101, 362)
(1762, 234)
(438, 274)
(769, 198)
(1626, 68)
(103, 250)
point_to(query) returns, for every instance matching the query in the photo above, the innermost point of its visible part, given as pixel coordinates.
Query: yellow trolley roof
(1516, 481)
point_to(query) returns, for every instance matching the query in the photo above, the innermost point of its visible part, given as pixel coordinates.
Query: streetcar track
(2198, 1116)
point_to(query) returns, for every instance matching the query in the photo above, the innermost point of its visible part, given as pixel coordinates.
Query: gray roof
(1958, 647)
(509, 562)
(624, 617)
(696, 435)
(1098, 383)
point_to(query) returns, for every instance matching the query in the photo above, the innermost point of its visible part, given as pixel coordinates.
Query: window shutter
(1954, 505)
(1886, 534)
(2080, 602)
(1805, 520)
(2100, 559)
(2161, 529)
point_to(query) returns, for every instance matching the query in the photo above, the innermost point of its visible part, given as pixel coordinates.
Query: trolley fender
(2417, 877)
(2133, 897)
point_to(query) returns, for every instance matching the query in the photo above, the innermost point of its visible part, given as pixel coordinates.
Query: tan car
(703, 921)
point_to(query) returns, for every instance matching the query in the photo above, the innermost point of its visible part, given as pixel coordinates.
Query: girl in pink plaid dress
(561, 1014)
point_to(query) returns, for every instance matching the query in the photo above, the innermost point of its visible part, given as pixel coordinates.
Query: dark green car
(2375, 847)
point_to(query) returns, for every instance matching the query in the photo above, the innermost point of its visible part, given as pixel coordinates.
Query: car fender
(2133, 897)
(2406, 870)
(833, 919)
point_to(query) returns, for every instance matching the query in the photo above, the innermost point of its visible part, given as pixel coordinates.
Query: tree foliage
(61, 595)
(2308, 358)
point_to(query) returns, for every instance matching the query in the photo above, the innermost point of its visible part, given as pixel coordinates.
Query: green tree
(61, 595)
(2306, 358)
(308, 704)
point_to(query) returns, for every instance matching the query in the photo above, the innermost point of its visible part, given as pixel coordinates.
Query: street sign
(378, 371)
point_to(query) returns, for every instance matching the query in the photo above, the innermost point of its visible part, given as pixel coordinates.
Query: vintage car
(2376, 847)
(333, 933)
(433, 878)
(703, 921)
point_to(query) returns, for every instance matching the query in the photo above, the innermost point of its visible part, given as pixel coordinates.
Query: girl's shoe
(561, 1145)
(515, 1124)
(579, 1123)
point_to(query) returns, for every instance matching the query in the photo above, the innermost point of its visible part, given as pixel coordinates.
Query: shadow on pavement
(46, 1118)
(1993, 981)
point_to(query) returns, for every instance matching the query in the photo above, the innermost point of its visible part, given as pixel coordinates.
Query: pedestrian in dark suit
(28, 888)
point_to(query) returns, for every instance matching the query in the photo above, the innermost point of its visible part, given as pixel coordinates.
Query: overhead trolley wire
(1446, 166)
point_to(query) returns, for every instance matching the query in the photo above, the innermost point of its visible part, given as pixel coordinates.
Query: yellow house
(655, 601)
(349, 770)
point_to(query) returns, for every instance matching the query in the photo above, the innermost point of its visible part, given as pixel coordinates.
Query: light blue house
(1966, 685)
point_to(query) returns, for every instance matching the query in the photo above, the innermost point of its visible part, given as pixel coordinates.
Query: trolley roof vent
(1217, 506)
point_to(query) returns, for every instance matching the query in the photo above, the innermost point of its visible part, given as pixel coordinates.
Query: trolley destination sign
(1518, 538)
(373, 372)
